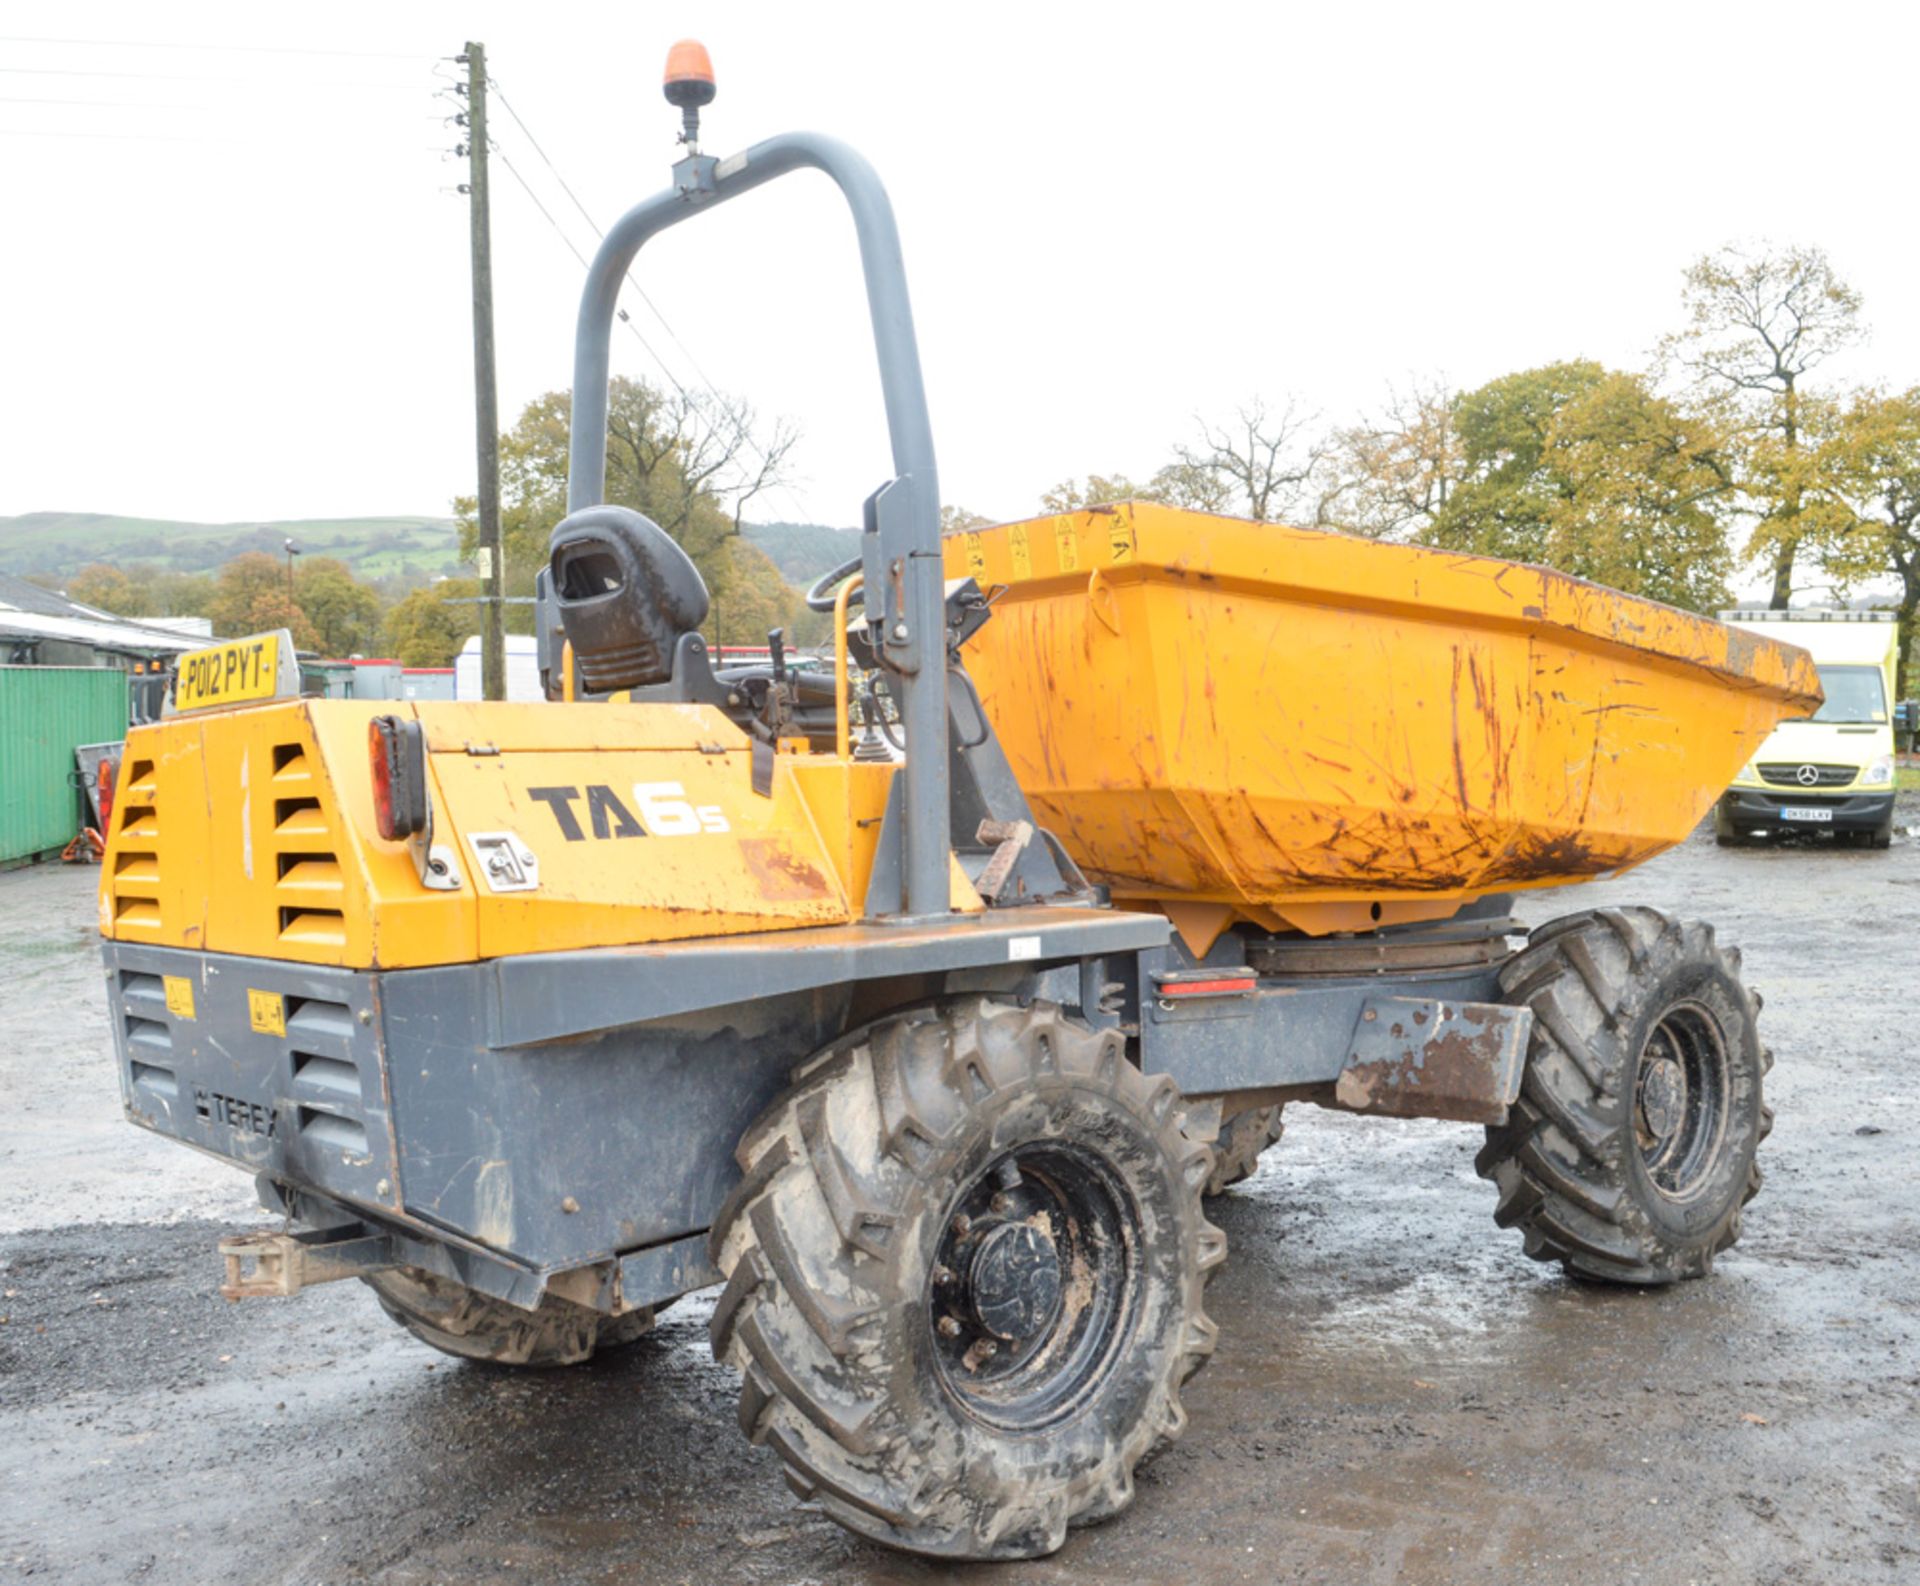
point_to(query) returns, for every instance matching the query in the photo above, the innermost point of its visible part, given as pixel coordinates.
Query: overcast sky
(234, 277)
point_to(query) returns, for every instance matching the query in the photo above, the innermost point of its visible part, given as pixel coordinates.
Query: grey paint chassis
(568, 1120)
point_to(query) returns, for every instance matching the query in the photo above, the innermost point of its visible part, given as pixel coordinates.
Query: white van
(1832, 771)
(523, 669)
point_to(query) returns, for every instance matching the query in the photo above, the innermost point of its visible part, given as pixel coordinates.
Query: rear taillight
(103, 793)
(398, 751)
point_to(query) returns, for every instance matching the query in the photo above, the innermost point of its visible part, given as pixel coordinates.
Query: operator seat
(627, 593)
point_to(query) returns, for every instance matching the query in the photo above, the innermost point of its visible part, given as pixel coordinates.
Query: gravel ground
(1399, 1395)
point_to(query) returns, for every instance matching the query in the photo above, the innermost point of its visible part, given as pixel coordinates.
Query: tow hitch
(279, 1265)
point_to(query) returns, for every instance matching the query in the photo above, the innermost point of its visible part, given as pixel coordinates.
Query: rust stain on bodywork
(1421, 1059)
(780, 873)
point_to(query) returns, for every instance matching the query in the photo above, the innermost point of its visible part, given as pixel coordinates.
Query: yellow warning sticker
(1120, 539)
(1067, 543)
(1022, 552)
(976, 555)
(179, 996)
(267, 1012)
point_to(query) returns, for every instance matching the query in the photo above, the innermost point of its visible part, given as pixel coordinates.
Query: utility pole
(486, 414)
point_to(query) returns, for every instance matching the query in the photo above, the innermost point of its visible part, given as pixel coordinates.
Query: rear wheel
(964, 1274)
(457, 1320)
(1236, 1153)
(1630, 1153)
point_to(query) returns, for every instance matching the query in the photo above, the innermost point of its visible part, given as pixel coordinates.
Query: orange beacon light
(689, 85)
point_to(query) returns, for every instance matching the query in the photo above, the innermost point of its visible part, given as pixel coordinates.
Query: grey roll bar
(904, 586)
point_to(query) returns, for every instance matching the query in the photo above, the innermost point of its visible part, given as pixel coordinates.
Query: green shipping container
(45, 713)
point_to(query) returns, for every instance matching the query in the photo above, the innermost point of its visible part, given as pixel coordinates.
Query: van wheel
(1725, 833)
(964, 1275)
(1630, 1154)
(457, 1320)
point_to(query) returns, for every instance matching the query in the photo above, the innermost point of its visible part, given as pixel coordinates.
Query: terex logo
(245, 1117)
(664, 811)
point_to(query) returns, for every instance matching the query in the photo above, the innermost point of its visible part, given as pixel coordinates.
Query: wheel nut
(963, 1225)
(949, 1328)
(942, 1276)
(1003, 1203)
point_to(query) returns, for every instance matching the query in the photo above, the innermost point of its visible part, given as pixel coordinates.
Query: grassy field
(1907, 779)
(64, 542)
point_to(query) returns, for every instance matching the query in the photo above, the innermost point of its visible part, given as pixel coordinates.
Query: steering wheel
(820, 596)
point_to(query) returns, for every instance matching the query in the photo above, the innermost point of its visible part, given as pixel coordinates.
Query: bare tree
(766, 466)
(1268, 457)
(1393, 471)
(684, 447)
(1759, 321)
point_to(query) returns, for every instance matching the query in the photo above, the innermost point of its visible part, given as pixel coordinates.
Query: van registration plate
(1790, 812)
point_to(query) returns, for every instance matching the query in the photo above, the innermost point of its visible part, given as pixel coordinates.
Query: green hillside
(63, 542)
(803, 551)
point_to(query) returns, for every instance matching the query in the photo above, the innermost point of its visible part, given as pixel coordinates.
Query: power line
(560, 232)
(117, 104)
(189, 77)
(124, 137)
(592, 224)
(244, 49)
(142, 136)
(739, 427)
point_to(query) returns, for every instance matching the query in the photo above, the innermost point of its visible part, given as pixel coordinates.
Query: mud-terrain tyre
(1630, 1153)
(964, 1277)
(457, 1320)
(1237, 1151)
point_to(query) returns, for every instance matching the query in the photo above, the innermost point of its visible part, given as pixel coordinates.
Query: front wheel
(1630, 1153)
(964, 1274)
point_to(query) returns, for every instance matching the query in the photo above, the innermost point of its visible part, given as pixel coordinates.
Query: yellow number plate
(234, 673)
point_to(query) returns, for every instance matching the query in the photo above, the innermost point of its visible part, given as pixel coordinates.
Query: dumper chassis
(943, 1153)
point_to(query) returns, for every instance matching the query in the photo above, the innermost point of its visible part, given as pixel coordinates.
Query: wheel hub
(1682, 1100)
(1033, 1283)
(1013, 1281)
(1663, 1098)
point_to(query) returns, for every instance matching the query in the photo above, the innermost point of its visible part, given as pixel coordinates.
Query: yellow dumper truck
(535, 1017)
